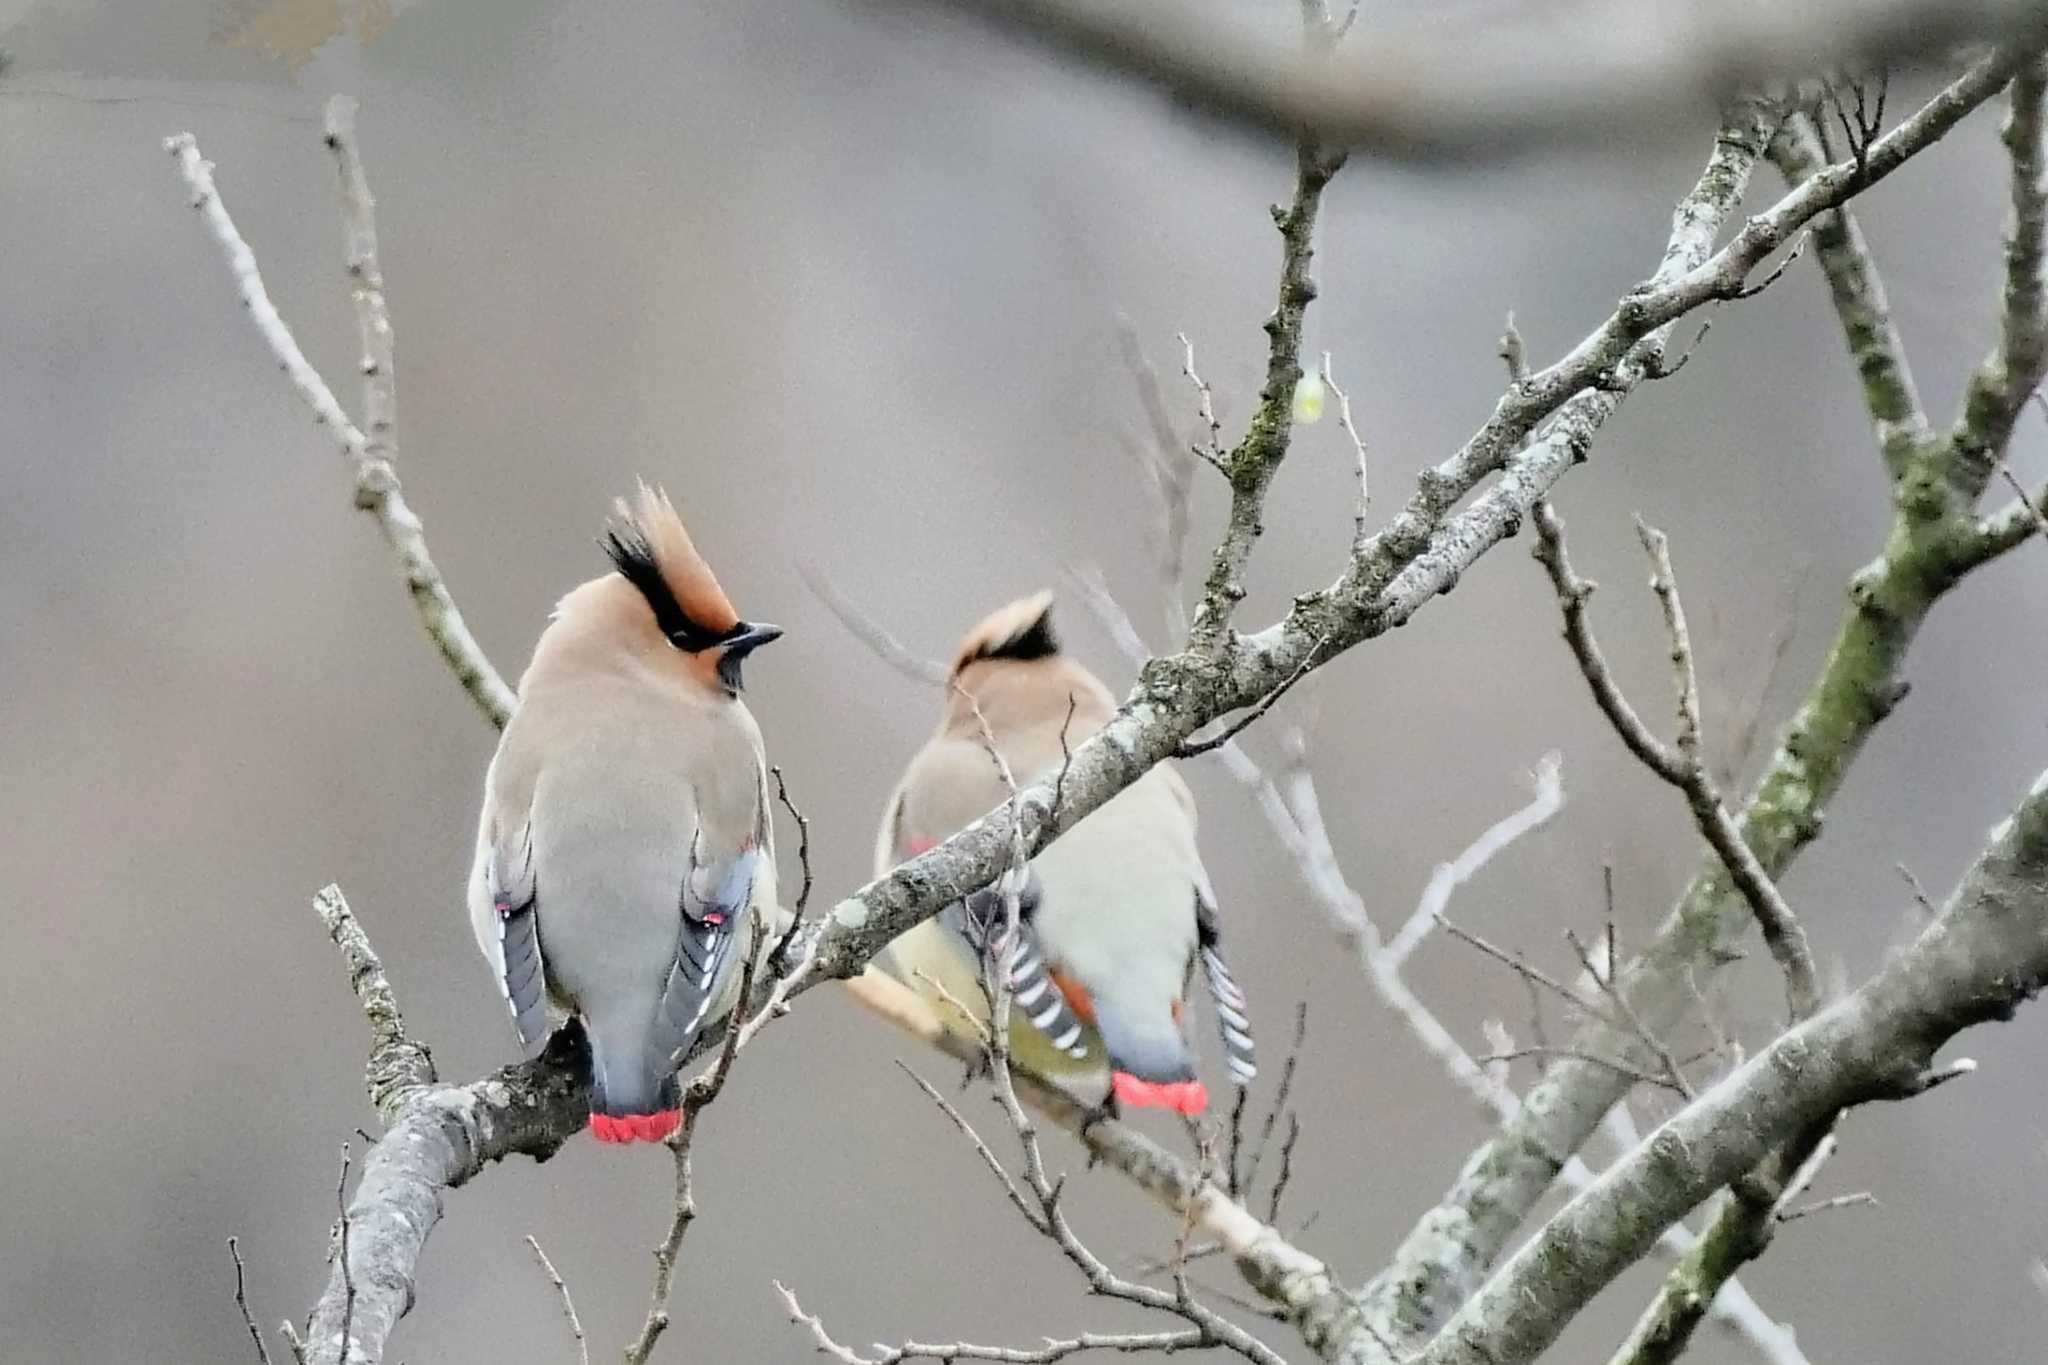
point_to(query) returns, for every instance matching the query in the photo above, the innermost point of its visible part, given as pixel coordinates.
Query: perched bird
(625, 842)
(1115, 915)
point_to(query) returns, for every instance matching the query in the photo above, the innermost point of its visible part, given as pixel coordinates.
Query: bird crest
(1018, 630)
(653, 552)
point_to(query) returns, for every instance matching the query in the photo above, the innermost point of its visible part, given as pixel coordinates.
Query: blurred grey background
(845, 279)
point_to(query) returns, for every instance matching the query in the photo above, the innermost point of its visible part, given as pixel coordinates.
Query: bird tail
(1186, 1097)
(631, 1100)
(1151, 1065)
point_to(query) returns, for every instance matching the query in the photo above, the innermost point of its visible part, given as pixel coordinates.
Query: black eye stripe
(634, 558)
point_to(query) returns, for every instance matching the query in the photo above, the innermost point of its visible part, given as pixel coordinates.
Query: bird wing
(979, 916)
(510, 883)
(713, 913)
(1233, 1021)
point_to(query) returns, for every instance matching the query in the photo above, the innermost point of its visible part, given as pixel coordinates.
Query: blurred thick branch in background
(1496, 79)
(1440, 1299)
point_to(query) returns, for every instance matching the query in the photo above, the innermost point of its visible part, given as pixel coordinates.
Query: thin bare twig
(1520, 966)
(698, 1095)
(1206, 404)
(1605, 980)
(1614, 1064)
(1360, 532)
(1280, 1096)
(1055, 1348)
(348, 1283)
(1858, 1199)
(1286, 1172)
(2037, 510)
(1169, 474)
(1679, 764)
(886, 647)
(377, 488)
(1750, 291)
(1920, 896)
(1195, 747)
(1512, 351)
(981, 1149)
(568, 1303)
(1545, 802)
(242, 1305)
(781, 961)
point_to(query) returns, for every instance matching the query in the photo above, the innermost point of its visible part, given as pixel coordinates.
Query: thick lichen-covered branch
(1985, 955)
(441, 1136)
(436, 1138)
(1252, 466)
(1999, 389)
(1740, 1232)
(1889, 394)
(1748, 1218)
(1443, 1258)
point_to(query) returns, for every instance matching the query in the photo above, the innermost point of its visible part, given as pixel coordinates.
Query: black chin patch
(729, 670)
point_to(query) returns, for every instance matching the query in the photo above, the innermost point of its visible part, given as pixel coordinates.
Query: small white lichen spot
(851, 913)
(2040, 784)
(1308, 400)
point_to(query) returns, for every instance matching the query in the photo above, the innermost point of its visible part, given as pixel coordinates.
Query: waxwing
(1116, 914)
(625, 844)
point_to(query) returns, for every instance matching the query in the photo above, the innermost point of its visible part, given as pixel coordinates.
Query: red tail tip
(1188, 1097)
(634, 1127)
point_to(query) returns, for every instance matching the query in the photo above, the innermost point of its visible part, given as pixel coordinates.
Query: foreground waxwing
(1114, 915)
(626, 843)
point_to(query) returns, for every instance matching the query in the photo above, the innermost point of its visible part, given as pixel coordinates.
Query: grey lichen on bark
(1744, 1226)
(437, 1137)
(1441, 1261)
(440, 1136)
(1985, 954)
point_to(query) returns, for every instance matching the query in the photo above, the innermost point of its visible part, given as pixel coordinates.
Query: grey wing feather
(1031, 986)
(515, 897)
(714, 906)
(1233, 1021)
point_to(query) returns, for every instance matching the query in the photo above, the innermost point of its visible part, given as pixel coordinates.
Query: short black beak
(749, 637)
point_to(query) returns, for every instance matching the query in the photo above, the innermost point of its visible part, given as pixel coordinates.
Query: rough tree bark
(1988, 950)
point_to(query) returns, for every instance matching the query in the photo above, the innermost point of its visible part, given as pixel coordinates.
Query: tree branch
(437, 1138)
(377, 489)
(1748, 1219)
(2001, 385)
(1257, 458)
(697, 1097)
(1327, 1316)
(442, 1135)
(1488, 85)
(1681, 764)
(886, 647)
(568, 1304)
(1893, 400)
(1438, 1264)
(1986, 955)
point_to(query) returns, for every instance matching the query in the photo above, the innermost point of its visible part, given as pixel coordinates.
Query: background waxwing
(1116, 914)
(626, 840)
